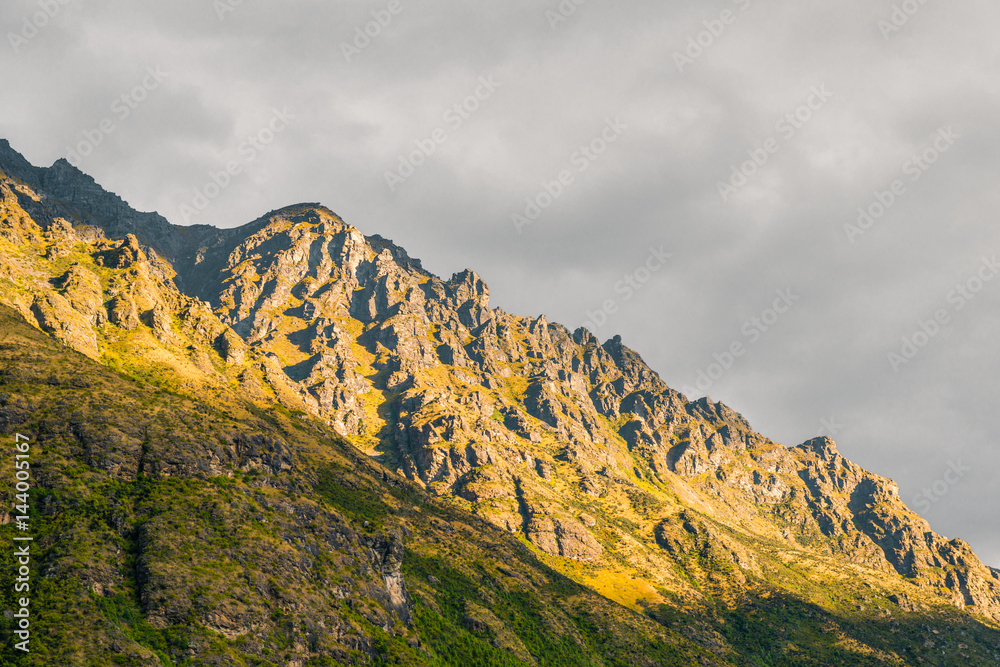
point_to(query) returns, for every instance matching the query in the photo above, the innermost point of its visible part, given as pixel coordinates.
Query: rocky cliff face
(575, 445)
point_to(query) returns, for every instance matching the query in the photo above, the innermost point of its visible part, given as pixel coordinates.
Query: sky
(788, 207)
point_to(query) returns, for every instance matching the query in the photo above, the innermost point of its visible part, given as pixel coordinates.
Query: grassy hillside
(152, 546)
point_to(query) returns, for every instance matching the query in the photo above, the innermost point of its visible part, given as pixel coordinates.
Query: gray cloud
(826, 358)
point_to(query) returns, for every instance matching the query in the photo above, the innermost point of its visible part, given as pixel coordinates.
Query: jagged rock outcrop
(122, 312)
(82, 289)
(562, 536)
(231, 347)
(520, 421)
(125, 255)
(55, 315)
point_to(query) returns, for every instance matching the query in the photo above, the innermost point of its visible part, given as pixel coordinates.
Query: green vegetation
(150, 558)
(192, 503)
(347, 493)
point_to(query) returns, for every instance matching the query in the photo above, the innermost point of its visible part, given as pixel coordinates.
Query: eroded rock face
(123, 313)
(108, 448)
(598, 405)
(524, 421)
(56, 315)
(561, 536)
(232, 348)
(386, 554)
(917, 553)
(82, 289)
(126, 255)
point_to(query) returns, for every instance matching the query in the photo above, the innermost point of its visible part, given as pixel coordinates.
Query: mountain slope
(169, 531)
(676, 510)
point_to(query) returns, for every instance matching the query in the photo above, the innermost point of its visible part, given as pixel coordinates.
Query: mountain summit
(436, 481)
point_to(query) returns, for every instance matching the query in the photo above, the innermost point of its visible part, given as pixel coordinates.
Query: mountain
(288, 443)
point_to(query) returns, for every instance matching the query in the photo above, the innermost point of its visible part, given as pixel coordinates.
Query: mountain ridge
(574, 446)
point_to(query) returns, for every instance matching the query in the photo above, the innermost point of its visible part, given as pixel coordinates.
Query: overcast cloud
(548, 87)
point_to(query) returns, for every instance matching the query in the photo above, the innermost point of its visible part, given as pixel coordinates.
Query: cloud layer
(749, 133)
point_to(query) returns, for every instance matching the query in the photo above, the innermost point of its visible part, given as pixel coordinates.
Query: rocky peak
(633, 368)
(823, 447)
(584, 338)
(575, 445)
(14, 164)
(127, 254)
(399, 255)
(469, 297)
(82, 198)
(717, 413)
